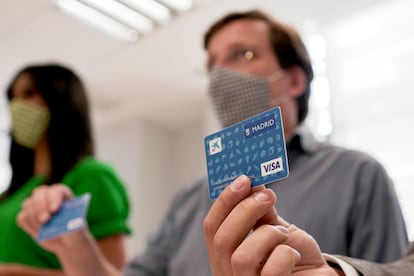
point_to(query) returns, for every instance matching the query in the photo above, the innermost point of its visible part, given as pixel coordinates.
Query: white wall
(370, 58)
(187, 159)
(5, 172)
(141, 153)
(154, 162)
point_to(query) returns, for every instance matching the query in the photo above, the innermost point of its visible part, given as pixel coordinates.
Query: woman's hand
(39, 208)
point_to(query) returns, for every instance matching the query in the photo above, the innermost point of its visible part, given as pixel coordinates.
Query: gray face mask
(238, 96)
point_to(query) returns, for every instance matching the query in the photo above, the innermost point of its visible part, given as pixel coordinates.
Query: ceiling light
(178, 5)
(98, 19)
(153, 9)
(122, 14)
(125, 19)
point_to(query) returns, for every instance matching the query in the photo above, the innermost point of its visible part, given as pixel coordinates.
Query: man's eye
(248, 54)
(244, 54)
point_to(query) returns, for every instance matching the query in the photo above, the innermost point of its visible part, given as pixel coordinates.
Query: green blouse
(107, 215)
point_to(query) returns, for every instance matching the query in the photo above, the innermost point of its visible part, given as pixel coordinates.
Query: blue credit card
(255, 147)
(70, 217)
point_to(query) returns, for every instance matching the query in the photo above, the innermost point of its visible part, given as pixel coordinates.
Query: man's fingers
(282, 221)
(242, 219)
(236, 226)
(252, 254)
(282, 261)
(235, 211)
(223, 205)
(271, 216)
(233, 194)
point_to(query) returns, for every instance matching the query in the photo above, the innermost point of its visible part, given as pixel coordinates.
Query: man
(351, 208)
(239, 245)
(339, 188)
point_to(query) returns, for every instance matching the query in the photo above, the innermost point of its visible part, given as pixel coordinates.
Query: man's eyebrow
(242, 45)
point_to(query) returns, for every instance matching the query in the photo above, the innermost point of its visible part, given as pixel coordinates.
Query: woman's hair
(69, 134)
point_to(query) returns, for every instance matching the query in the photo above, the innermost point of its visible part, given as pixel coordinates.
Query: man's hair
(286, 43)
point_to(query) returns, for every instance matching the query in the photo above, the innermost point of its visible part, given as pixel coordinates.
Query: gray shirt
(343, 198)
(402, 267)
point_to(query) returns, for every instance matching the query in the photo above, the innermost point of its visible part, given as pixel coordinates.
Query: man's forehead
(245, 32)
(247, 24)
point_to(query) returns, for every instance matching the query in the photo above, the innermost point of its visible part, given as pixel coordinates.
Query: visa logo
(272, 166)
(215, 145)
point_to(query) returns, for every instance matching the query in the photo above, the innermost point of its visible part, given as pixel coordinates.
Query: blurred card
(255, 147)
(70, 217)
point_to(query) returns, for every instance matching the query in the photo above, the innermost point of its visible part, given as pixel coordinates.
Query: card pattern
(255, 147)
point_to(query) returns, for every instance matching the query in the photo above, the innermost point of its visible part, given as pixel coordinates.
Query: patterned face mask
(29, 122)
(238, 96)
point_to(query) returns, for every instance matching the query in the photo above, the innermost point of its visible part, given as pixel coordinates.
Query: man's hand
(245, 236)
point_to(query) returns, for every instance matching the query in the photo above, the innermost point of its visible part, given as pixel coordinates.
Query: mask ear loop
(278, 101)
(276, 76)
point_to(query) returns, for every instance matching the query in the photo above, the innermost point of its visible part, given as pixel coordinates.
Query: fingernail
(262, 196)
(282, 229)
(297, 252)
(238, 183)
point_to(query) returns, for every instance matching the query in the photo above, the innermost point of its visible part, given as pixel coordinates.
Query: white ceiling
(159, 77)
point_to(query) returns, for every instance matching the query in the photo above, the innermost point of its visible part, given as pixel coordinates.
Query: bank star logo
(215, 145)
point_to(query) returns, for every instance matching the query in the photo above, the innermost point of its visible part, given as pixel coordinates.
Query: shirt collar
(304, 139)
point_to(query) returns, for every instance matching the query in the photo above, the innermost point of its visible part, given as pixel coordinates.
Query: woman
(52, 143)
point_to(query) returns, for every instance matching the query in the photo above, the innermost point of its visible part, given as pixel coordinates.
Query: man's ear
(298, 81)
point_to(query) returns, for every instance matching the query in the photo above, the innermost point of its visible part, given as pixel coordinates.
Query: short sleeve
(109, 206)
